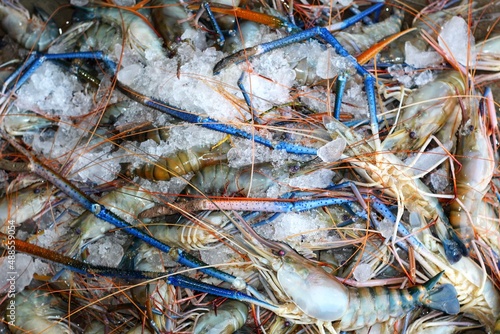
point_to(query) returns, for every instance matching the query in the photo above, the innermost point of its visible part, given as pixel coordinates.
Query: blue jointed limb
(103, 213)
(386, 213)
(255, 117)
(220, 37)
(211, 123)
(324, 34)
(175, 280)
(248, 204)
(36, 59)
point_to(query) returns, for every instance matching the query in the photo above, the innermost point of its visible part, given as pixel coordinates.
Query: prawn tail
(442, 298)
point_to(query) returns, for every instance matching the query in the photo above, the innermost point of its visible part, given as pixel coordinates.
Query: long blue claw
(189, 283)
(88, 269)
(356, 18)
(220, 37)
(103, 213)
(36, 59)
(324, 34)
(212, 124)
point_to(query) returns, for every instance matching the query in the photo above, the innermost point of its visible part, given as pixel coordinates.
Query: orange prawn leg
(269, 20)
(365, 56)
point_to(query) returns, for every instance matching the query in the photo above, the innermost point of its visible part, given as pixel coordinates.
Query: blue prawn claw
(100, 211)
(172, 279)
(325, 35)
(35, 60)
(442, 298)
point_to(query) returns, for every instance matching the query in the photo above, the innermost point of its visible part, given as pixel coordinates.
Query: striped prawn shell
(368, 306)
(180, 163)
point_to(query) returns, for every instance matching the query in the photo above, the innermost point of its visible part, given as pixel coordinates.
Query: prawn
(476, 157)
(31, 32)
(182, 163)
(388, 172)
(425, 112)
(295, 280)
(227, 318)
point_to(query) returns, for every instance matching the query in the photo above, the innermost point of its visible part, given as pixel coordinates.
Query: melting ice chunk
(457, 41)
(420, 59)
(332, 151)
(318, 179)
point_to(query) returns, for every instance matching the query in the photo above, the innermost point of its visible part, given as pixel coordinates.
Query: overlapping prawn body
(355, 42)
(19, 123)
(386, 171)
(126, 202)
(171, 20)
(488, 54)
(182, 163)
(221, 179)
(477, 165)
(138, 34)
(24, 204)
(158, 293)
(144, 133)
(487, 225)
(196, 233)
(40, 312)
(425, 112)
(295, 280)
(30, 32)
(476, 293)
(227, 319)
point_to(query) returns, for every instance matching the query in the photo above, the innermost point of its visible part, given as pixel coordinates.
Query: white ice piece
(457, 41)
(421, 59)
(332, 151)
(317, 179)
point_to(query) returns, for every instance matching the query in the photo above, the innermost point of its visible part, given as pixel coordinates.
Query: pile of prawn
(393, 231)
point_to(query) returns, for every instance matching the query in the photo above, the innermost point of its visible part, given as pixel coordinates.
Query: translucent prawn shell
(315, 292)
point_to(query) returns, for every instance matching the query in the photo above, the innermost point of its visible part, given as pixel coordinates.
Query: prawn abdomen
(368, 306)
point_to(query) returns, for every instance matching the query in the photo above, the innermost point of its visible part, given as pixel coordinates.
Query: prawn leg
(339, 92)
(248, 101)
(172, 279)
(212, 124)
(105, 214)
(36, 60)
(244, 205)
(324, 34)
(220, 36)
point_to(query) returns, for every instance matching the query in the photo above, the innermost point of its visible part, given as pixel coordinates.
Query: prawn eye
(413, 134)
(281, 252)
(37, 190)
(471, 128)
